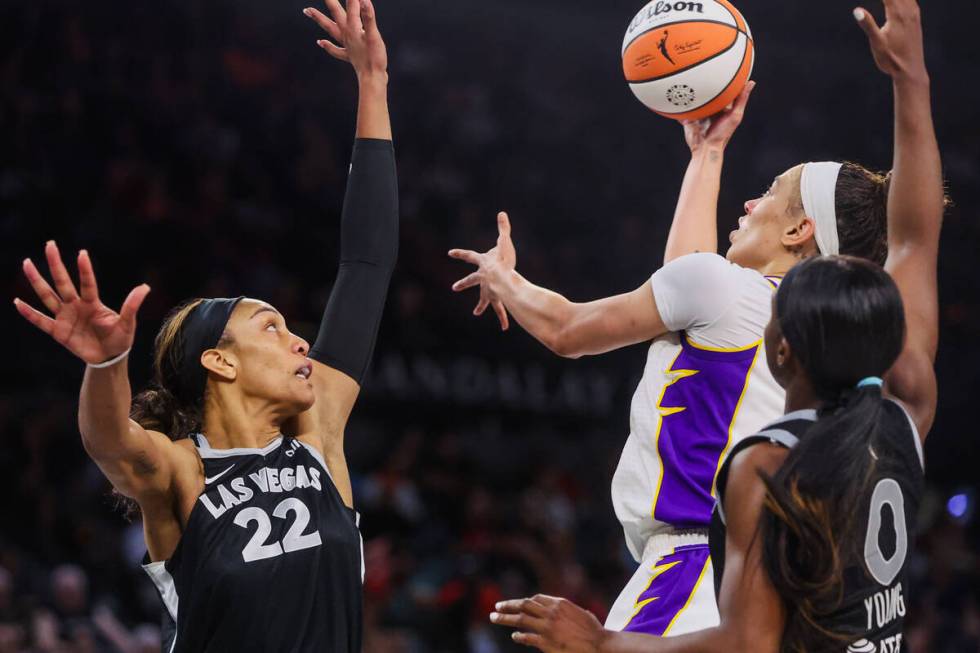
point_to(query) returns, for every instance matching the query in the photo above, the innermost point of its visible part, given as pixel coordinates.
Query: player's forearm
(373, 120)
(915, 201)
(541, 312)
(103, 409)
(368, 252)
(695, 225)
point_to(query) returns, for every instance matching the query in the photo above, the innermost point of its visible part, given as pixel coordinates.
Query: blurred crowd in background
(202, 147)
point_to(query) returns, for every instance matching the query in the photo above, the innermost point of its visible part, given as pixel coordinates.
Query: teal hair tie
(871, 380)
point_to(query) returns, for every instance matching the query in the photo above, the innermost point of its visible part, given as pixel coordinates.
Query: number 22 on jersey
(295, 540)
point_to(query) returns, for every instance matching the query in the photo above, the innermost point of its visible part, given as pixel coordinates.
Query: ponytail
(157, 409)
(809, 517)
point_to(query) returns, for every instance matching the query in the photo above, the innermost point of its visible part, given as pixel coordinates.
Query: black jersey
(270, 560)
(876, 580)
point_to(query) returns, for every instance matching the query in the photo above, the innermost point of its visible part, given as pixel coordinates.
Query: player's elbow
(564, 342)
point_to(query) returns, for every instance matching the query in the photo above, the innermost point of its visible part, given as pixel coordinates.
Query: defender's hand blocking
(550, 624)
(355, 29)
(82, 323)
(491, 268)
(717, 130)
(897, 47)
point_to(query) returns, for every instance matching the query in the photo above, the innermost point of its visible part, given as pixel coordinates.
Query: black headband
(201, 330)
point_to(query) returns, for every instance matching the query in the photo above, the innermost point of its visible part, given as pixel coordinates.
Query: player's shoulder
(741, 489)
(708, 280)
(762, 455)
(182, 448)
(709, 266)
(185, 460)
(747, 459)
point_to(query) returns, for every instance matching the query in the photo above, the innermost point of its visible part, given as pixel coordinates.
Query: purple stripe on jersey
(697, 410)
(675, 579)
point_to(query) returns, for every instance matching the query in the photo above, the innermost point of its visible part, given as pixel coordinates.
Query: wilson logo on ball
(653, 10)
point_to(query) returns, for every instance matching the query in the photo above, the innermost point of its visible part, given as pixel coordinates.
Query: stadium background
(202, 147)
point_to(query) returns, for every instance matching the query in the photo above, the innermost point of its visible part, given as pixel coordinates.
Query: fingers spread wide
(501, 312)
(481, 306)
(354, 16)
(329, 26)
(132, 304)
(333, 50)
(34, 316)
(41, 287)
(59, 273)
(465, 255)
(368, 17)
(867, 24)
(337, 11)
(86, 278)
(467, 282)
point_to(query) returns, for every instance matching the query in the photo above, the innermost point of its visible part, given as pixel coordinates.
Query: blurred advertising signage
(472, 381)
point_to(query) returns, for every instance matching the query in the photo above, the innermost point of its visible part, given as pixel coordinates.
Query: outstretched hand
(897, 46)
(491, 268)
(550, 624)
(719, 128)
(82, 323)
(355, 30)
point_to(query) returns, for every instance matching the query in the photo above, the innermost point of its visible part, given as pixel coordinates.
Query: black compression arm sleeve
(368, 250)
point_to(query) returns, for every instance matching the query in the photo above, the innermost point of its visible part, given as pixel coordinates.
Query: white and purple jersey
(705, 387)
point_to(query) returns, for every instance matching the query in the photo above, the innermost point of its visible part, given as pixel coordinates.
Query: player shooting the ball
(706, 386)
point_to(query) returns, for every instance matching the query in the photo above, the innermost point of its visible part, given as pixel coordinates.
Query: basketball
(688, 60)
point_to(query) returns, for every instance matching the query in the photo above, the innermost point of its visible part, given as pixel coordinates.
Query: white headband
(818, 186)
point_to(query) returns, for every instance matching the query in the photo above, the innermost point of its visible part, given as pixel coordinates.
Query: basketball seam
(734, 17)
(723, 89)
(682, 22)
(685, 68)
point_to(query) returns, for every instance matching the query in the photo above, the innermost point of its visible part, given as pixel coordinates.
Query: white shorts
(672, 591)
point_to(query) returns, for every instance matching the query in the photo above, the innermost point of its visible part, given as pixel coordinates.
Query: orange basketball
(688, 60)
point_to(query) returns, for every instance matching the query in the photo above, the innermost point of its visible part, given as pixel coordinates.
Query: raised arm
(139, 463)
(368, 239)
(567, 328)
(695, 224)
(752, 617)
(915, 204)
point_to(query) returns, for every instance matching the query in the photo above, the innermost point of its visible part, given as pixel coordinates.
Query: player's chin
(309, 399)
(303, 397)
(732, 253)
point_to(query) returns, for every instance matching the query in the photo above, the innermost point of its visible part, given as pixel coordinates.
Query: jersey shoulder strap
(916, 439)
(785, 432)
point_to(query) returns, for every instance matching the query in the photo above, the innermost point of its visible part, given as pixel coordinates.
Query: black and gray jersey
(271, 558)
(871, 614)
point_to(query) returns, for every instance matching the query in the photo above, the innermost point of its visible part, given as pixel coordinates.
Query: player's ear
(220, 362)
(798, 231)
(784, 353)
